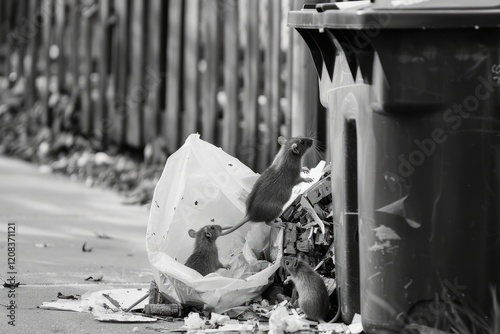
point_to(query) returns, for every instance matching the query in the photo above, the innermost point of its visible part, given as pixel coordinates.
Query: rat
(313, 295)
(274, 187)
(205, 257)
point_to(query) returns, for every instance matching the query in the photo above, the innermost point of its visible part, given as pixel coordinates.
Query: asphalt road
(53, 217)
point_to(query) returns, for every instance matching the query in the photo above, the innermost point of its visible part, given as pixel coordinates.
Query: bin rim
(370, 18)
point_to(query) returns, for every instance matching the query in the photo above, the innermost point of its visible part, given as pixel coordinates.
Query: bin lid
(398, 14)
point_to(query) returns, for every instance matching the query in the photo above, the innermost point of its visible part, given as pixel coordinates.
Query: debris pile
(309, 226)
(237, 299)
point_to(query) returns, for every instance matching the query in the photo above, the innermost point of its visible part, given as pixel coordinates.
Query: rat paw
(307, 179)
(227, 266)
(305, 169)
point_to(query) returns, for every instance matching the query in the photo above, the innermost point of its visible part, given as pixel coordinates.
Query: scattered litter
(106, 304)
(193, 321)
(163, 309)
(111, 300)
(11, 285)
(61, 296)
(102, 235)
(248, 327)
(356, 327)
(218, 319)
(96, 279)
(86, 250)
(137, 302)
(282, 321)
(241, 313)
(65, 305)
(217, 323)
(101, 314)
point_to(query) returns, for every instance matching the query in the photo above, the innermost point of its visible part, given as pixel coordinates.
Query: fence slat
(266, 133)
(114, 120)
(4, 25)
(231, 76)
(86, 89)
(101, 114)
(34, 42)
(287, 129)
(136, 94)
(119, 107)
(7, 24)
(152, 78)
(275, 88)
(19, 46)
(60, 12)
(251, 82)
(210, 83)
(47, 28)
(191, 58)
(174, 74)
(75, 32)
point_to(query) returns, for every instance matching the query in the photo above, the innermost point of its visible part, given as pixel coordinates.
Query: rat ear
(281, 140)
(192, 233)
(295, 150)
(208, 234)
(295, 263)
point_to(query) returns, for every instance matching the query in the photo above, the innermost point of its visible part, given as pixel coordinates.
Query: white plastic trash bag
(202, 185)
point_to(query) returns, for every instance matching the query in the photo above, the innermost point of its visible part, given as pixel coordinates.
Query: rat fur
(205, 257)
(274, 187)
(313, 295)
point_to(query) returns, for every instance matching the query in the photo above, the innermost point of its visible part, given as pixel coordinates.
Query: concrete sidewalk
(53, 217)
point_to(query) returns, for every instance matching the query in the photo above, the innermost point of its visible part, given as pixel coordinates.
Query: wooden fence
(130, 71)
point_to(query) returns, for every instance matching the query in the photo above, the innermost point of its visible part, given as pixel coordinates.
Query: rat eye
(302, 142)
(213, 228)
(287, 263)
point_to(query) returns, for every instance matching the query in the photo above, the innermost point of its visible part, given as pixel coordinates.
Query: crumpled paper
(281, 321)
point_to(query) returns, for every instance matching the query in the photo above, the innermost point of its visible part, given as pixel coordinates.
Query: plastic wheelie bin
(412, 89)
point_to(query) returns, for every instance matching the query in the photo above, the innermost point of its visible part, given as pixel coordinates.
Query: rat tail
(235, 227)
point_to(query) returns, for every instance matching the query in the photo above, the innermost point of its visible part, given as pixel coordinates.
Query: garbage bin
(413, 93)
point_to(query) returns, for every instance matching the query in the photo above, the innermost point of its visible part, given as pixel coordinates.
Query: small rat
(205, 257)
(313, 295)
(274, 187)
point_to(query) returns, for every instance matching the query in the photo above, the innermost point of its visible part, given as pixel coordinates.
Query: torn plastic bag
(202, 185)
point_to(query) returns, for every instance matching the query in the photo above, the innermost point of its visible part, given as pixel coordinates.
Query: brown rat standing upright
(313, 295)
(274, 187)
(205, 257)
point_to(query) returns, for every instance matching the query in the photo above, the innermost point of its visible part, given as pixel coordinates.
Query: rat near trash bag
(202, 185)
(313, 296)
(274, 187)
(205, 257)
